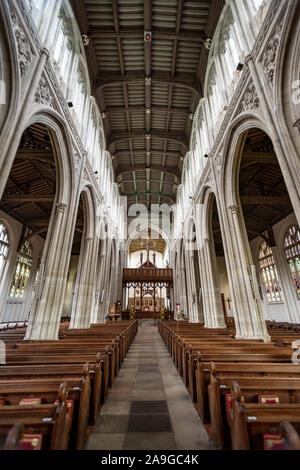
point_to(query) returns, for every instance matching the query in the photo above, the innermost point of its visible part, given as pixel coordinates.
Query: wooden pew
(46, 389)
(232, 370)
(286, 389)
(250, 422)
(14, 437)
(52, 422)
(45, 363)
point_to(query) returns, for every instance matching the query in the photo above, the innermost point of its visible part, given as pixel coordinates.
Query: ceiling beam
(251, 158)
(141, 108)
(168, 153)
(119, 136)
(187, 80)
(264, 200)
(193, 36)
(28, 198)
(35, 155)
(169, 171)
(169, 196)
(45, 222)
(143, 180)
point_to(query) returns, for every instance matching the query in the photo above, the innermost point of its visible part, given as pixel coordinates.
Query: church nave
(149, 407)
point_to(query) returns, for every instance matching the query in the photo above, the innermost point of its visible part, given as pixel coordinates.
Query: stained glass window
(269, 274)
(292, 252)
(22, 271)
(4, 245)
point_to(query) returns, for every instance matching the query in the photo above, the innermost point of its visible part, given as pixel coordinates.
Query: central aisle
(149, 407)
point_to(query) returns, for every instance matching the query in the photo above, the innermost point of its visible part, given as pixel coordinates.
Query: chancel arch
(147, 278)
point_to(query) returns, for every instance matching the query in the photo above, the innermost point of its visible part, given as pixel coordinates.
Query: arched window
(269, 274)
(214, 94)
(63, 47)
(4, 245)
(80, 94)
(292, 252)
(22, 271)
(230, 52)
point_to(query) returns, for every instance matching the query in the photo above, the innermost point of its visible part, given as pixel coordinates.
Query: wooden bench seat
(251, 422)
(235, 370)
(46, 389)
(36, 368)
(286, 390)
(51, 421)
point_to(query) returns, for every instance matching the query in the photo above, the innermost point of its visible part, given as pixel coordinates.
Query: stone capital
(46, 52)
(60, 207)
(234, 209)
(248, 59)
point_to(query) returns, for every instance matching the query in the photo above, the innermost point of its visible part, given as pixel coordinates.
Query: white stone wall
(266, 97)
(36, 95)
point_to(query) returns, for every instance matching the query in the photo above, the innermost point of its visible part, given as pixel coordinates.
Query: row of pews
(51, 392)
(246, 392)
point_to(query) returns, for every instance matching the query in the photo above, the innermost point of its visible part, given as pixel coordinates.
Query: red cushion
(273, 441)
(268, 399)
(31, 442)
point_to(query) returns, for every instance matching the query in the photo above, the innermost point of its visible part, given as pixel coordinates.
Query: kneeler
(31, 442)
(273, 441)
(268, 400)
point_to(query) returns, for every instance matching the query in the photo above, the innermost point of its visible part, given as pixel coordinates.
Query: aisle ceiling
(147, 63)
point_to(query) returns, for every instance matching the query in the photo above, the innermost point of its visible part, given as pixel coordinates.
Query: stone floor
(149, 407)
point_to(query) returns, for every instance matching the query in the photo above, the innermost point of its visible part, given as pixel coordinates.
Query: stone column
(188, 286)
(82, 305)
(183, 303)
(213, 313)
(106, 286)
(124, 298)
(192, 291)
(44, 319)
(247, 307)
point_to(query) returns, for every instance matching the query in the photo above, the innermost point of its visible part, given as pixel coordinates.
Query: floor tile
(106, 442)
(112, 424)
(149, 423)
(116, 407)
(149, 407)
(149, 441)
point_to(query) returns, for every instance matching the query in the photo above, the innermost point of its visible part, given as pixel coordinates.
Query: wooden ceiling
(30, 189)
(263, 193)
(147, 90)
